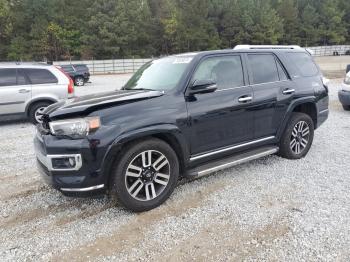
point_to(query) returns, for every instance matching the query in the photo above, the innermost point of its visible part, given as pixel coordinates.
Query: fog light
(63, 163)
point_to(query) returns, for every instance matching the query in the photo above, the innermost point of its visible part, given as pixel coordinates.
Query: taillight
(71, 83)
(70, 86)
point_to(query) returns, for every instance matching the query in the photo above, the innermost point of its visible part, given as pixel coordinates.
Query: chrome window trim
(219, 90)
(196, 157)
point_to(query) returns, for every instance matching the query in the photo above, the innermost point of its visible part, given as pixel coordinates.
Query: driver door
(222, 118)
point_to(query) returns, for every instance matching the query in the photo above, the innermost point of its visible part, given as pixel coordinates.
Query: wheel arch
(305, 105)
(167, 133)
(38, 100)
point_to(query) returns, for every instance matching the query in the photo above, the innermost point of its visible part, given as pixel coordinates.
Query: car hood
(89, 103)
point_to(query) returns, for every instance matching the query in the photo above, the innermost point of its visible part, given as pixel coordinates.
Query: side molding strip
(196, 157)
(237, 162)
(85, 189)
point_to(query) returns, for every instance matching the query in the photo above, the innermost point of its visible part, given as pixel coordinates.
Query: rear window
(68, 68)
(8, 77)
(263, 67)
(40, 76)
(304, 63)
(81, 67)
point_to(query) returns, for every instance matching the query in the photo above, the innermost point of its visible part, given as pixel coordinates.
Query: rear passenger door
(43, 82)
(273, 92)
(15, 90)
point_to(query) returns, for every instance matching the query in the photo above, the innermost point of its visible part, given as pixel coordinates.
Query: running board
(231, 161)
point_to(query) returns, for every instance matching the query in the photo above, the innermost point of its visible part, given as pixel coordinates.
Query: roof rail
(238, 47)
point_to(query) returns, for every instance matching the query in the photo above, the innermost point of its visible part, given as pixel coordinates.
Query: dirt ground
(271, 209)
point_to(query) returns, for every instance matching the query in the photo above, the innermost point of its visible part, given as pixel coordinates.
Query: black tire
(34, 110)
(119, 179)
(346, 107)
(286, 150)
(79, 81)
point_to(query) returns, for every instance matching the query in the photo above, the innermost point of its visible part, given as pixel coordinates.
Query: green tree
(332, 27)
(309, 32)
(288, 12)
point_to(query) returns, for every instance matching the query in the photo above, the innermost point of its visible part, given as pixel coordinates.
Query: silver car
(26, 89)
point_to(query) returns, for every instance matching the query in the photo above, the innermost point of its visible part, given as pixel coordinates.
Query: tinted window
(68, 68)
(263, 68)
(281, 71)
(81, 67)
(225, 71)
(304, 63)
(8, 77)
(40, 76)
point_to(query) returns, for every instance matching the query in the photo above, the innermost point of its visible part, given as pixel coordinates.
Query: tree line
(101, 29)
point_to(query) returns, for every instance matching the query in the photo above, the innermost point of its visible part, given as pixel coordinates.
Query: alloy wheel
(79, 81)
(38, 114)
(147, 175)
(300, 137)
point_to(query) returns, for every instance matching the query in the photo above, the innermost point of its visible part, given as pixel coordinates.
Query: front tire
(346, 107)
(145, 175)
(297, 137)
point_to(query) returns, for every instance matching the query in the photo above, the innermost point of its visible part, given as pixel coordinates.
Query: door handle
(245, 99)
(23, 91)
(288, 91)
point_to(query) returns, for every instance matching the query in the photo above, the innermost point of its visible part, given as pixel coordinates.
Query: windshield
(162, 74)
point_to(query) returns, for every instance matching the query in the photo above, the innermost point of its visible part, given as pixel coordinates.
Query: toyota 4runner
(185, 115)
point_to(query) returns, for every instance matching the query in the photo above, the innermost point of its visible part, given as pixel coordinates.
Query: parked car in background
(344, 92)
(184, 115)
(26, 89)
(79, 73)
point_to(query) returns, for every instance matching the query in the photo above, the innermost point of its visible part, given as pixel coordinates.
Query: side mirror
(202, 87)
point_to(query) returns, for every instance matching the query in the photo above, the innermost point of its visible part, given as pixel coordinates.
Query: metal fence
(113, 66)
(119, 66)
(330, 50)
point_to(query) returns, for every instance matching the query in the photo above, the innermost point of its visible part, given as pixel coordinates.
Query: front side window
(40, 76)
(162, 74)
(263, 68)
(8, 77)
(225, 71)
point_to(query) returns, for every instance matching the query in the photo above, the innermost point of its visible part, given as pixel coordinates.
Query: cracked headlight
(75, 128)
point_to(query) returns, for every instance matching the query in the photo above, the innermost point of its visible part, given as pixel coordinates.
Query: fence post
(124, 65)
(93, 66)
(133, 64)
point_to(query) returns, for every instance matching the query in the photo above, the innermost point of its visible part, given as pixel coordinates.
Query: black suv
(185, 115)
(80, 74)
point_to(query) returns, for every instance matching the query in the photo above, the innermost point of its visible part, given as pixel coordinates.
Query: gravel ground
(269, 209)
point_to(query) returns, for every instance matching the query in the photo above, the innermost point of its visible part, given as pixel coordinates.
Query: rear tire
(141, 180)
(297, 138)
(79, 81)
(36, 110)
(346, 107)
